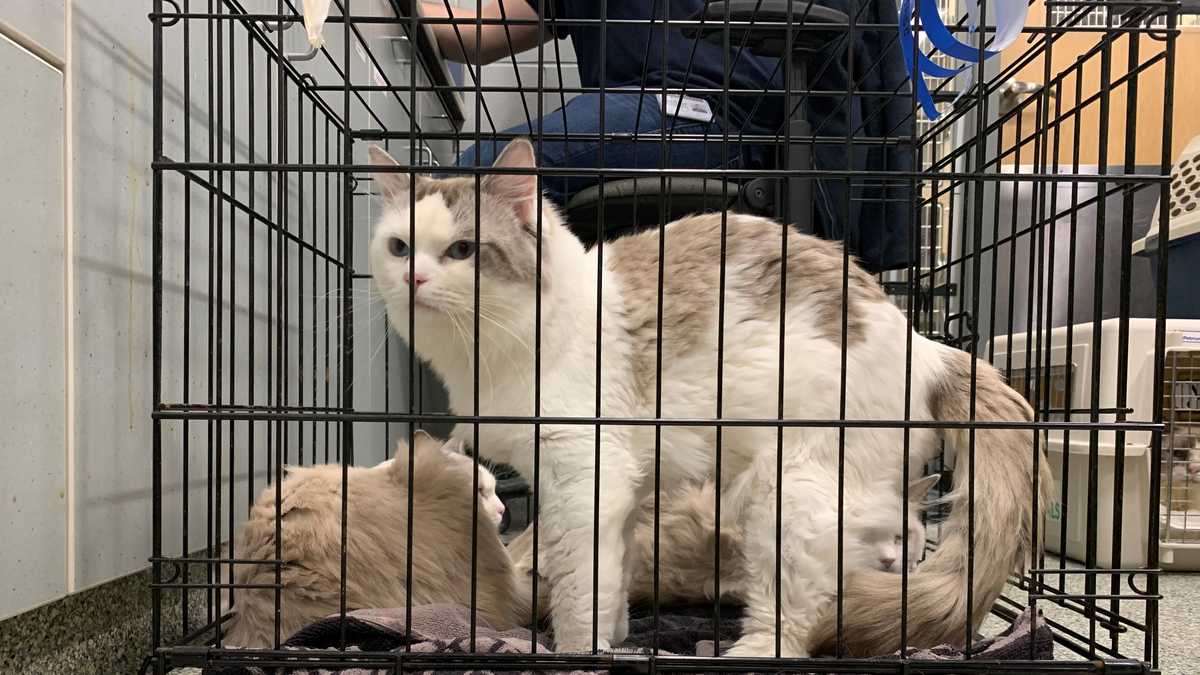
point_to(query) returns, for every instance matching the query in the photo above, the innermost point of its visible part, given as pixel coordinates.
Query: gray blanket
(445, 629)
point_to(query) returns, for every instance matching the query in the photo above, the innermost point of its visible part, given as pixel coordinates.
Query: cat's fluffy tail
(1003, 532)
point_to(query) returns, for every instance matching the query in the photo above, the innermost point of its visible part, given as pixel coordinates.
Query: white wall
(75, 443)
(33, 398)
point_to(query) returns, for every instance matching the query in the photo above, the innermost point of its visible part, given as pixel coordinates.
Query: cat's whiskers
(338, 315)
(470, 355)
(375, 314)
(336, 291)
(460, 333)
(383, 341)
(516, 368)
(504, 327)
(490, 307)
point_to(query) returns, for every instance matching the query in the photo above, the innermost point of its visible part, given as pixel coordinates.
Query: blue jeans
(622, 115)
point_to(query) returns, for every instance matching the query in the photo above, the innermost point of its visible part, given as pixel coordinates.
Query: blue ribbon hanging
(1010, 19)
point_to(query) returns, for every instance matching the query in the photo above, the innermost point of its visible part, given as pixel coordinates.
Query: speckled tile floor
(1179, 624)
(100, 631)
(105, 630)
(1179, 621)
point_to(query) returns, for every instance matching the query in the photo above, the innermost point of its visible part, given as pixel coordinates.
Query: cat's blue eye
(461, 250)
(397, 247)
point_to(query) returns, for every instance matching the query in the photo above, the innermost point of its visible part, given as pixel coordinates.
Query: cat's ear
(398, 469)
(394, 186)
(423, 446)
(919, 488)
(455, 447)
(520, 190)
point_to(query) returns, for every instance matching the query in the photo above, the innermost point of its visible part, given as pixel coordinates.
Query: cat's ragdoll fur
(874, 521)
(376, 541)
(492, 505)
(513, 230)
(687, 530)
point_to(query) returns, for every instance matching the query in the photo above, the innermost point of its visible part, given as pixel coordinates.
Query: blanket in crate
(688, 631)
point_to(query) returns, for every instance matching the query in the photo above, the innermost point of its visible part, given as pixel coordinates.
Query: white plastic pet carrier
(1068, 382)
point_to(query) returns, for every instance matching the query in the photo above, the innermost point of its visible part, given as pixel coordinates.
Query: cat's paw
(622, 630)
(762, 645)
(579, 641)
(621, 621)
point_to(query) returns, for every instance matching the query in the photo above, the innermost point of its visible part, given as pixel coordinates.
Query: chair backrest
(765, 21)
(633, 204)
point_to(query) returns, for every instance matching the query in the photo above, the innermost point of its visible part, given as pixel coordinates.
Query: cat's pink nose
(418, 278)
(886, 563)
(500, 508)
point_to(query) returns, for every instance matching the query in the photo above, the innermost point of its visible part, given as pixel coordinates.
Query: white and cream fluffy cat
(425, 250)
(310, 516)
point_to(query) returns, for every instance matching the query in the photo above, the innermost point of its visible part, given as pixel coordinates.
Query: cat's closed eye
(461, 250)
(397, 247)
(899, 539)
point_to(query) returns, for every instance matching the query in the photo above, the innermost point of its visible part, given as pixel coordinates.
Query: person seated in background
(632, 62)
(633, 58)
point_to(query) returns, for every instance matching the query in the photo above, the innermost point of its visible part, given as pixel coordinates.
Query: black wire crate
(705, 274)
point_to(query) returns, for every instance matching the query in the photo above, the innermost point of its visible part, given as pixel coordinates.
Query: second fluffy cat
(687, 529)
(309, 524)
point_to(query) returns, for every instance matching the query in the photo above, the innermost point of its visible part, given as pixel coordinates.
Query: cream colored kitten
(687, 528)
(376, 542)
(488, 498)
(874, 526)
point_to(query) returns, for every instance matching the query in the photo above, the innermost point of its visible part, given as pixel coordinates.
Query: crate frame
(947, 281)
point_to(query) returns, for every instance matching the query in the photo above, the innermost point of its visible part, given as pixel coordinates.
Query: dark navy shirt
(632, 56)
